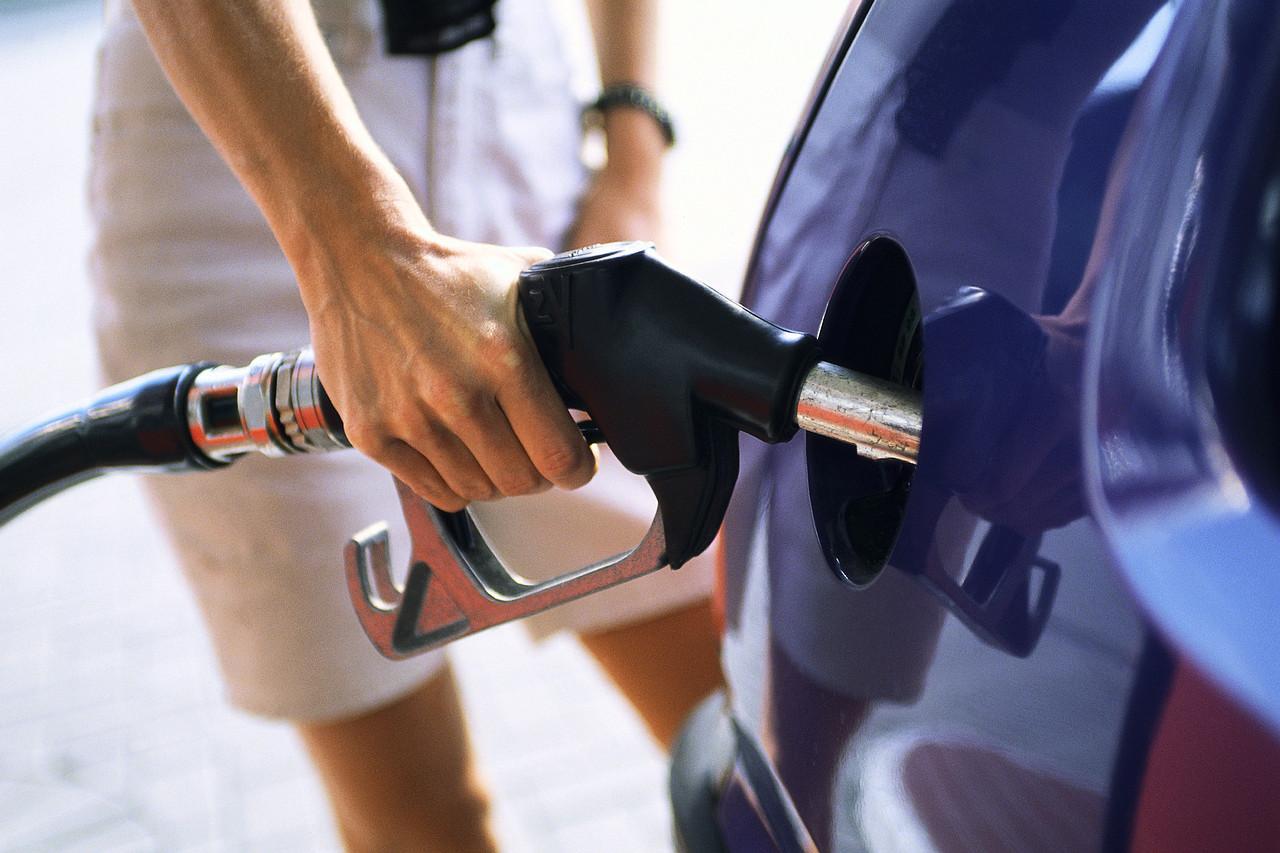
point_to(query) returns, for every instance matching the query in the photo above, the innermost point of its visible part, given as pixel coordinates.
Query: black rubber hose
(141, 423)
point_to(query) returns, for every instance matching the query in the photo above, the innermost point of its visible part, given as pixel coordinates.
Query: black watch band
(635, 97)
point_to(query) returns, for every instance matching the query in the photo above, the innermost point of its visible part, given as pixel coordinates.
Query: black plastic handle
(670, 370)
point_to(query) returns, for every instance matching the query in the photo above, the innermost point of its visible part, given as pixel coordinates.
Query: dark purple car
(1061, 220)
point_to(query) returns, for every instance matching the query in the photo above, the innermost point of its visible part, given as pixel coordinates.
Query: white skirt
(185, 269)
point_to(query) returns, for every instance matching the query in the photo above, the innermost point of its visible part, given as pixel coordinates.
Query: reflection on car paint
(951, 130)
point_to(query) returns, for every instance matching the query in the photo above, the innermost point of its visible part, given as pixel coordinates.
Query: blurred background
(113, 733)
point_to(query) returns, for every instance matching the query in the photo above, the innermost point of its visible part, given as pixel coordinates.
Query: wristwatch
(633, 96)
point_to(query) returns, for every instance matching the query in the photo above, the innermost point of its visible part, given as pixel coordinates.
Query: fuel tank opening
(871, 325)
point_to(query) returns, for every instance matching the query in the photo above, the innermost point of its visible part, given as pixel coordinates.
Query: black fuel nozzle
(669, 370)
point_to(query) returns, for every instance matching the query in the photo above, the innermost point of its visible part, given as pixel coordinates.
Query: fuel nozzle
(672, 372)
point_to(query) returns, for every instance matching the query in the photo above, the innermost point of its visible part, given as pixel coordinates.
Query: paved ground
(113, 735)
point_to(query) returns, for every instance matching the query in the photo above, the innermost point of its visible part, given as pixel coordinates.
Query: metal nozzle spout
(882, 419)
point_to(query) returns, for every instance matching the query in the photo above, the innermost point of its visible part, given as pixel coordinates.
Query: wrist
(631, 97)
(637, 128)
(338, 213)
(345, 253)
(634, 145)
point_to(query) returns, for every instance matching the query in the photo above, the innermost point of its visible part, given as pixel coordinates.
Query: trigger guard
(457, 586)
(692, 501)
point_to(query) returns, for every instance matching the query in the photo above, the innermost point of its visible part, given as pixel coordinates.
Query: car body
(1059, 220)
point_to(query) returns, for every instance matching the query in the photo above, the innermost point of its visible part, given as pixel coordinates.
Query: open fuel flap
(871, 325)
(868, 507)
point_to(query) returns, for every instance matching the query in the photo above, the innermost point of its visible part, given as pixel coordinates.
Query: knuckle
(427, 436)
(455, 403)
(444, 501)
(478, 491)
(502, 349)
(502, 352)
(516, 483)
(367, 436)
(428, 486)
(436, 442)
(514, 371)
(426, 483)
(562, 462)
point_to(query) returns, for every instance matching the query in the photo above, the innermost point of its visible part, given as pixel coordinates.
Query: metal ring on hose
(302, 410)
(275, 406)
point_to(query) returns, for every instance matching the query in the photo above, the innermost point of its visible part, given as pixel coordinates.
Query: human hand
(624, 199)
(619, 205)
(421, 347)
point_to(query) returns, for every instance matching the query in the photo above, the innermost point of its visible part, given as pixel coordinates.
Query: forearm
(415, 334)
(625, 32)
(258, 79)
(625, 36)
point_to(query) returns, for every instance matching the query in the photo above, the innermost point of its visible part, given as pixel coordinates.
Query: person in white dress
(264, 173)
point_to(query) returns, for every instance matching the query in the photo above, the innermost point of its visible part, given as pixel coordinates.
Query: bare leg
(401, 777)
(664, 665)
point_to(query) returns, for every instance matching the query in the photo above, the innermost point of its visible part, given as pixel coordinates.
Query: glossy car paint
(1061, 156)
(1180, 395)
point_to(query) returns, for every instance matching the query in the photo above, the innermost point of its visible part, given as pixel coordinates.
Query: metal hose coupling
(275, 406)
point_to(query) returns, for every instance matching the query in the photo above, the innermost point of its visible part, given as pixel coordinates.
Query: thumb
(533, 254)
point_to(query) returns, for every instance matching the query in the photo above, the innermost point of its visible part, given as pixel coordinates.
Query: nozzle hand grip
(670, 371)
